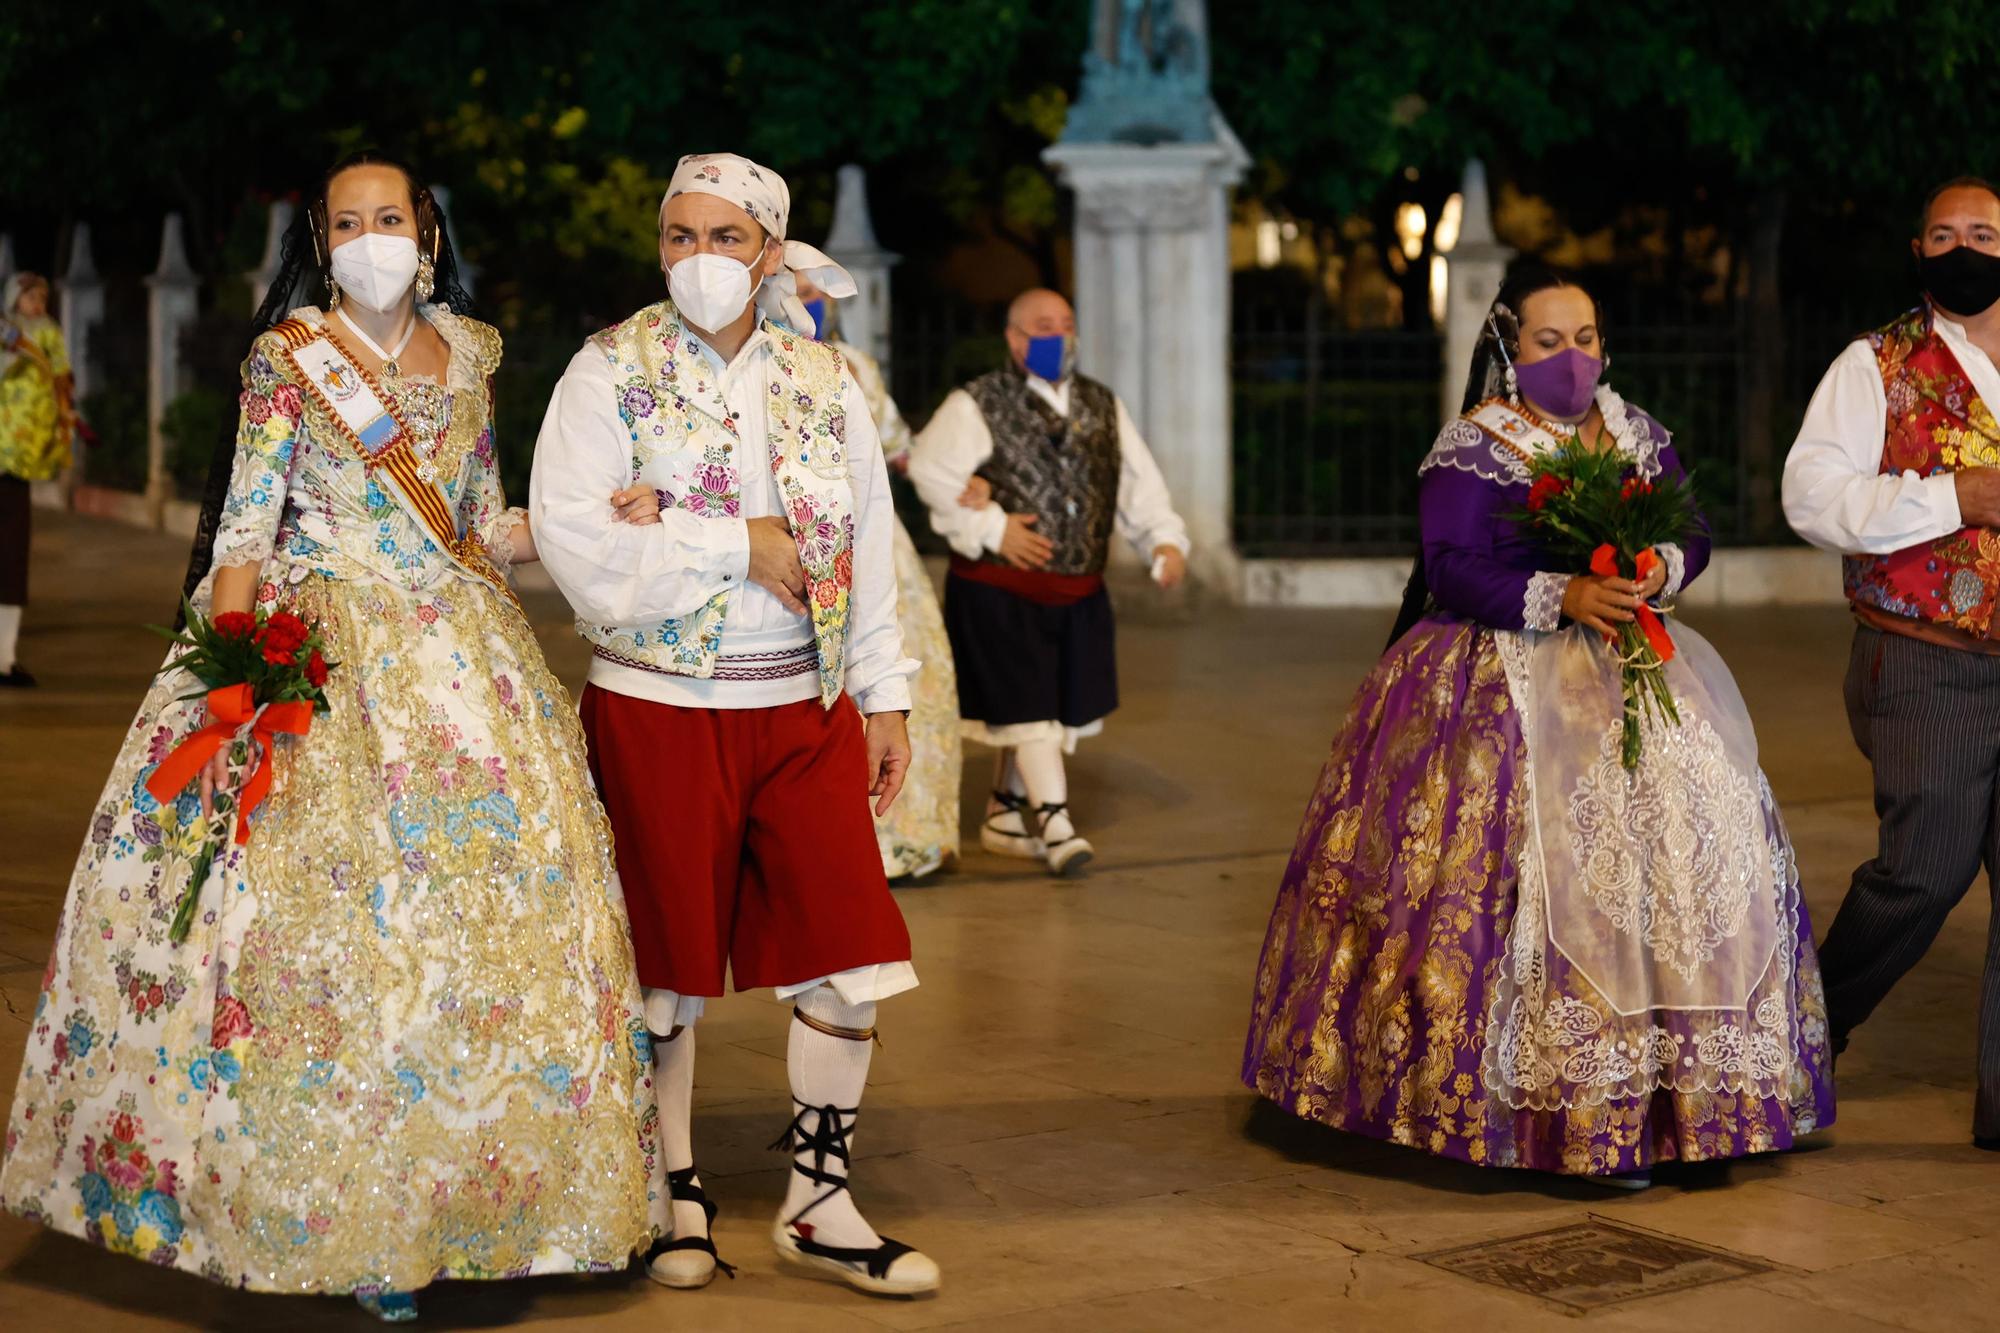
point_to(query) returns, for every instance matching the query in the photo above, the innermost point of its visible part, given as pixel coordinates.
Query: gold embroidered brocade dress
(404, 1039)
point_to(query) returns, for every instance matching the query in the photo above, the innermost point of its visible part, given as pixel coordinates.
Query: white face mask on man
(710, 290)
(375, 271)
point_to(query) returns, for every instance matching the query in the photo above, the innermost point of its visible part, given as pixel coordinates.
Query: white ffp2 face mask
(374, 271)
(710, 291)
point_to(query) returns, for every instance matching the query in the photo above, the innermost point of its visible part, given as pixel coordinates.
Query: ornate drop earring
(426, 278)
(1513, 387)
(332, 293)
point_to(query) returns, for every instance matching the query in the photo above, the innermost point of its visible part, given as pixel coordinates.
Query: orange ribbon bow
(232, 706)
(1604, 564)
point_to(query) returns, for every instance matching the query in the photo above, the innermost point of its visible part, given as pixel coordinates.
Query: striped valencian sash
(355, 403)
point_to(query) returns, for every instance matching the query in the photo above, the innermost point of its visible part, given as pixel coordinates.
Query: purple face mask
(1561, 384)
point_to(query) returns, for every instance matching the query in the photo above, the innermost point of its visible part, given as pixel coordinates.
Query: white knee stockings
(828, 1056)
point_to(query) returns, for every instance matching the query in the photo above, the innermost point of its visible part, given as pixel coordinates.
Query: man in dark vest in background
(1030, 623)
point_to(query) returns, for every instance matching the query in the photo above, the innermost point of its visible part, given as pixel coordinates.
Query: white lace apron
(1651, 946)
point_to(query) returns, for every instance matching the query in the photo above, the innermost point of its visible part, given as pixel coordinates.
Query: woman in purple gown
(1493, 942)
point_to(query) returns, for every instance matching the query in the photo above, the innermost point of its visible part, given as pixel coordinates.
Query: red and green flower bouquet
(264, 675)
(1590, 507)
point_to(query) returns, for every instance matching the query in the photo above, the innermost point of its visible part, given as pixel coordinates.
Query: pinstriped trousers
(1928, 719)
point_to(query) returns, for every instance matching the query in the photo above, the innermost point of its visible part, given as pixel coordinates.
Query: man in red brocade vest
(1897, 467)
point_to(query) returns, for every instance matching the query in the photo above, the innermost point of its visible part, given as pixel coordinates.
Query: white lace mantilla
(1549, 1046)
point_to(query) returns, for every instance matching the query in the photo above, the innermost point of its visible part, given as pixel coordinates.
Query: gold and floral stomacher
(354, 402)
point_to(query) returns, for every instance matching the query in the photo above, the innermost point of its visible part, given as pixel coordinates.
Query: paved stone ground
(1055, 1114)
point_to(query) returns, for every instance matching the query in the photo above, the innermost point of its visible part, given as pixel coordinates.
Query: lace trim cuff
(1542, 608)
(243, 548)
(500, 538)
(1676, 569)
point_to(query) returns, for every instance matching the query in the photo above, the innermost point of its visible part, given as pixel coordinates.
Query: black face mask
(1962, 281)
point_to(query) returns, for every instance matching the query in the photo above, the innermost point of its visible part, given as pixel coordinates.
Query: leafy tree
(1820, 109)
(555, 123)
(1799, 131)
(1751, 118)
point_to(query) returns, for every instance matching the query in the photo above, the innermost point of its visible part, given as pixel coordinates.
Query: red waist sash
(1034, 585)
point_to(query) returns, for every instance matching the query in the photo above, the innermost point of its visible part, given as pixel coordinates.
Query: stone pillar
(851, 243)
(260, 278)
(1152, 297)
(467, 274)
(1474, 269)
(171, 308)
(80, 296)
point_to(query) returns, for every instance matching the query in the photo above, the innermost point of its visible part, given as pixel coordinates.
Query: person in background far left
(36, 422)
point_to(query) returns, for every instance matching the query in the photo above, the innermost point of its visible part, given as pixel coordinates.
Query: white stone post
(1152, 309)
(260, 278)
(80, 294)
(1474, 270)
(467, 274)
(172, 306)
(851, 243)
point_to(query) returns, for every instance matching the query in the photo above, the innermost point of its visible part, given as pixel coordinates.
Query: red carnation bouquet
(1591, 506)
(265, 676)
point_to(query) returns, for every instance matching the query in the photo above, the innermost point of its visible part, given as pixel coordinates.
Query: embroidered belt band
(738, 667)
(354, 402)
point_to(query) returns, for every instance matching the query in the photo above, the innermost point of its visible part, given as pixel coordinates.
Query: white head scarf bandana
(761, 192)
(13, 326)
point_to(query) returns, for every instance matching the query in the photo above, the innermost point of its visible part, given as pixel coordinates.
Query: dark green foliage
(192, 424)
(116, 414)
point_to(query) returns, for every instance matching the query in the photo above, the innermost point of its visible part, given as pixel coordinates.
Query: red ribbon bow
(232, 706)
(1604, 564)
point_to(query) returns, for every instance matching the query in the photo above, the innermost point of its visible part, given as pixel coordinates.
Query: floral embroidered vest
(685, 444)
(1935, 423)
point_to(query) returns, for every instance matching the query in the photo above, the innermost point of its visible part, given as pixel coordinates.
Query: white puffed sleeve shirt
(616, 573)
(1835, 493)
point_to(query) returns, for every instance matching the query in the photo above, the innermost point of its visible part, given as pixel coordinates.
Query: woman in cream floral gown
(403, 1040)
(920, 835)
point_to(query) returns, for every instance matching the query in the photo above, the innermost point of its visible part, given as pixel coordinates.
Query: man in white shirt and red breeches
(1897, 467)
(738, 645)
(1030, 623)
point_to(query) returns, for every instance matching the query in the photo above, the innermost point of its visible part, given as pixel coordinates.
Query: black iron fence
(202, 420)
(1331, 424)
(115, 407)
(936, 345)
(1689, 376)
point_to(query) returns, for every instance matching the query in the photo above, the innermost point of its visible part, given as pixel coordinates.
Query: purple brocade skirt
(1375, 989)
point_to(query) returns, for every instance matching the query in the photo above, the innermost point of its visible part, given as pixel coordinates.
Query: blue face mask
(1051, 357)
(817, 309)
